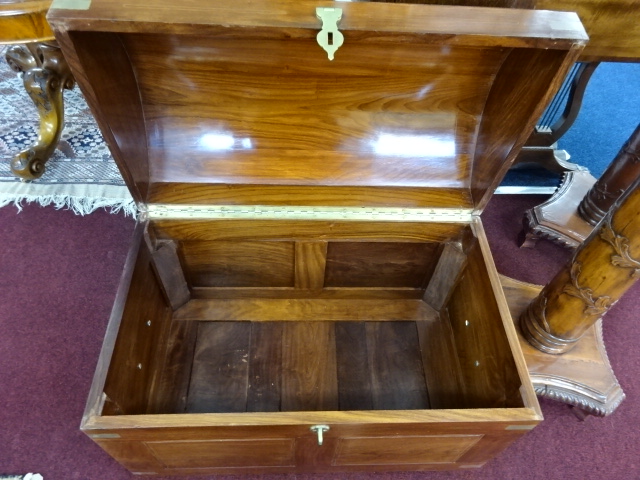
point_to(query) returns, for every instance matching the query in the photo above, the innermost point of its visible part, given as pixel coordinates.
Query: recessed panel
(380, 264)
(403, 450)
(239, 264)
(225, 453)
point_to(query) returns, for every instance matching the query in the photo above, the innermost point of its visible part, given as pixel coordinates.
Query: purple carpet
(58, 277)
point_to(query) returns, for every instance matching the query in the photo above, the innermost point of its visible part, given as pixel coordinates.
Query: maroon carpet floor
(58, 278)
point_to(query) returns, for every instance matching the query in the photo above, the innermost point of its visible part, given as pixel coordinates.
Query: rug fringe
(82, 199)
(79, 205)
(28, 476)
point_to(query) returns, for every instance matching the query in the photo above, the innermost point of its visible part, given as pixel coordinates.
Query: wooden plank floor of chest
(309, 287)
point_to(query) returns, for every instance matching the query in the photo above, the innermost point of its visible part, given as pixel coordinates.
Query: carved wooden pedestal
(563, 319)
(582, 377)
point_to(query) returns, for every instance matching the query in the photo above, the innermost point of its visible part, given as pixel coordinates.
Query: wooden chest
(310, 287)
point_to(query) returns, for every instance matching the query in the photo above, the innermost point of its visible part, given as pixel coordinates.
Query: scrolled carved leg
(45, 75)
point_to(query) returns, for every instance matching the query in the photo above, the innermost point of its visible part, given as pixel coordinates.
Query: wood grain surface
(23, 21)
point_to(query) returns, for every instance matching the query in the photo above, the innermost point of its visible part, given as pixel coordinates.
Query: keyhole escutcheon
(329, 38)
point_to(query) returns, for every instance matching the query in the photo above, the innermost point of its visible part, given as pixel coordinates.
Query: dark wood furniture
(571, 214)
(565, 315)
(45, 74)
(310, 287)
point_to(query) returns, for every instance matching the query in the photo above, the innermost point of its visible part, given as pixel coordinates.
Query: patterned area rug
(81, 175)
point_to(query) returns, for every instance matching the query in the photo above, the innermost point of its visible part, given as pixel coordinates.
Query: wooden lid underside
(423, 106)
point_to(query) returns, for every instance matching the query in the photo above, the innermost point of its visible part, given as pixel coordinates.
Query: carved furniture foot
(45, 75)
(550, 158)
(557, 219)
(577, 206)
(582, 377)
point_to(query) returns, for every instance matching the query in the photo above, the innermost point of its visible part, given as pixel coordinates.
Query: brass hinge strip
(172, 211)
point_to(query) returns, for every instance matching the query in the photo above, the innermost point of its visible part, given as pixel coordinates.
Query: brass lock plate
(330, 38)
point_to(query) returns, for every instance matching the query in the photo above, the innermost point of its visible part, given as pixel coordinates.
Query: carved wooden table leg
(569, 216)
(602, 269)
(45, 75)
(614, 181)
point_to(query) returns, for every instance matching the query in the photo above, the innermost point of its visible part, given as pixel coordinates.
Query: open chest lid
(234, 102)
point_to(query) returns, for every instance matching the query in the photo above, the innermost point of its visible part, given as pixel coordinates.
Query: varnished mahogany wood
(486, 364)
(511, 113)
(443, 372)
(220, 368)
(168, 269)
(265, 367)
(378, 264)
(311, 260)
(352, 196)
(231, 453)
(298, 323)
(114, 101)
(419, 449)
(133, 363)
(239, 263)
(291, 230)
(295, 310)
(353, 365)
(397, 374)
(300, 293)
(169, 392)
(446, 275)
(287, 366)
(351, 133)
(604, 21)
(310, 378)
(96, 398)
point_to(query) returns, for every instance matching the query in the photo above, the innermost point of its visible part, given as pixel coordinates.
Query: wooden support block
(167, 266)
(447, 273)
